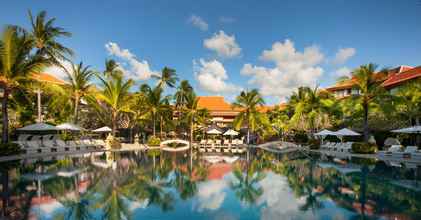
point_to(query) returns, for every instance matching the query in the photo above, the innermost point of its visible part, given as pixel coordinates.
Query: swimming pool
(155, 185)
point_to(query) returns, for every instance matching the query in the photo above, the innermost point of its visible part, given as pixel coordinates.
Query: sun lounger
(392, 151)
(48, 141)
(408, 153)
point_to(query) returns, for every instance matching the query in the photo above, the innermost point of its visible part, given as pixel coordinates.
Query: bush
(364, 148)
(10, 149)
(300, 137)
(314, 144)
(113, 142)
(154, 141)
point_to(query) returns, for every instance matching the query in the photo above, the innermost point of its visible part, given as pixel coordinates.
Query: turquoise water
(135, 185)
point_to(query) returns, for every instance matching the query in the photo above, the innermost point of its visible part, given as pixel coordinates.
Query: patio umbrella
(214, 131)
(103, 129)
(409, 130)
(324, 133)
(38, 127)
(231, 132)
(69, 127)
(345, 132)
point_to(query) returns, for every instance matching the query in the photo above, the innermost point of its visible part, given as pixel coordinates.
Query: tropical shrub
(113, 142)
(154, 141)
(300, 137)
(314, 144)
(364, 148)
(10, 149)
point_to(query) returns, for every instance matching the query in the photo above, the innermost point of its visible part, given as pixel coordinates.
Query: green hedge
(154, 141)
(364, 148)
(10, 149)
(314, 144)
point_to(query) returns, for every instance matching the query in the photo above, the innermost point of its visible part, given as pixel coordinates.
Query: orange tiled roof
(45, 77)
(398, 78)
(380, 76)
(214, 103)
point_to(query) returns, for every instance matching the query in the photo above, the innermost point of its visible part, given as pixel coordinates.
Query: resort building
(222, 112)
(391, 81)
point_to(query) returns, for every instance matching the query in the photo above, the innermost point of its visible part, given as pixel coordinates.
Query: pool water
(138, 185)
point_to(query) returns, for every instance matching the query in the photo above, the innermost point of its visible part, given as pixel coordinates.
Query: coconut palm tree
(156, 103)
(311, 109)
(245, 184)
(408, 103)
(115, 95)
(370, 88)
(16, 64)
(193, 114)
(168, 78)
(248, 102)
(45, 35)
(182, 93)
(79, 80)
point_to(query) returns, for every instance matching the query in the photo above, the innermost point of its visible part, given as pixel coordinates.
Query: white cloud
(224, 45)
(212, 76)
(227, 20)
(198, 22)
(139, 70)
(211, 194)
(278, 200)
(292, 69)
(343, 71)
(343, 55)
(58, 71)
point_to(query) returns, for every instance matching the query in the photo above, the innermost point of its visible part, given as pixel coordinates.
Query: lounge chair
(62, 146)
(33, 145)
(48, 141)
(409, 152)
(392, 151)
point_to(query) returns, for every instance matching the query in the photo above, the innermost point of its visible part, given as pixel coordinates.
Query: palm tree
(168, 78)
(156, 103)
(182, 93)
(16, 64)
(115, 95)
(245, 184)
(193, 114)
(248, 102)
(44, 34)
(311, 109)
(408, 103)
(112, 68)
(78, 78)
(370, 90)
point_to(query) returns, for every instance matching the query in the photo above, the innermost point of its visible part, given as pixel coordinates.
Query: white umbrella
(346, 132)
(69, 126)
(214, 131)
(38, 127)
(231, 132)
(409, 130)
(103, 129)
(325, 132)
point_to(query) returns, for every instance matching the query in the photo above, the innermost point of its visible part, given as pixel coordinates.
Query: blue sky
(225, 46)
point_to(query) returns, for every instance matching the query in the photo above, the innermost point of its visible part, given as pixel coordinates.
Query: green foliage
(154, 141)
(364, 148)
(313, 143)
(10, 149)
(300, 137)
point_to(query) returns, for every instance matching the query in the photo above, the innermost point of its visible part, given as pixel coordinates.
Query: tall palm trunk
(76, 110)
(365, 107)
(114, 121)
(154, 123)
(161, 125)
(5, 136)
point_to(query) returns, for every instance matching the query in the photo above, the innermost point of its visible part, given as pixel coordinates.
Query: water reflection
(167, 186)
